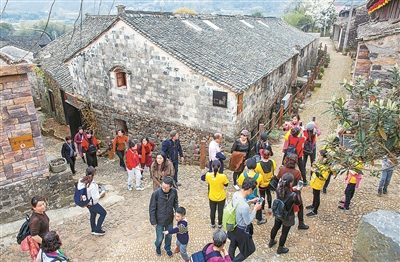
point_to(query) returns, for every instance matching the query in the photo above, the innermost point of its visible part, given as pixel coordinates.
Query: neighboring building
(24, 171)
(359, 16)
(153, 72)
(20, 49)
(379, 40)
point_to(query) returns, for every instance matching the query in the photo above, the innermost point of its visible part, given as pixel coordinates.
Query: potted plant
(58, 165)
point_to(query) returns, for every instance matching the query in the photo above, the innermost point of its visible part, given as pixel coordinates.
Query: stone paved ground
(130, 236)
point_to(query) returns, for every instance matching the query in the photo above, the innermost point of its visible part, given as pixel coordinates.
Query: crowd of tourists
(256, 179)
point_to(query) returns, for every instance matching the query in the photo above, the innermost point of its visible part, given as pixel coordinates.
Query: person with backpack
(242, 235)
(92, 190)
(251, 165)
(262, 144)
(50, 250)
(90, 147)
(173, 150)
(320, 173)
(163, 204)
(286, 199)
(216, 192)
(310, 144)
(266, 168)
(289, 166)
(39, 222)
(118, 147)
(295, 146)
(218, 245)
(68, 152)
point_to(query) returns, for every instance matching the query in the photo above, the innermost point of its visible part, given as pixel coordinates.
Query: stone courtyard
(130, 237)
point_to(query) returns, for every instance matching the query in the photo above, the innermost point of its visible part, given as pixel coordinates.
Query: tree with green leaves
(53, 29)
(257, 14)
(6, 29)
(371, 116)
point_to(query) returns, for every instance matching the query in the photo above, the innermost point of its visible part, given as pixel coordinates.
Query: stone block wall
(24, 170)
(378, 237)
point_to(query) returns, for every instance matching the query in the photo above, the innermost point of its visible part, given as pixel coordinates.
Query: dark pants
(302, 169)
(349, 193)
(71, 163)
(175, 163)
(235, 176)
(265, 192)
(94, 210)
(316, 200)
(312, 157)
(120, 154)
(242, 240)
(327, 181)
(285, 231)
(300, 214)
(214, 206)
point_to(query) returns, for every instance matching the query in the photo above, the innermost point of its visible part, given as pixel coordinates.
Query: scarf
(144, 153)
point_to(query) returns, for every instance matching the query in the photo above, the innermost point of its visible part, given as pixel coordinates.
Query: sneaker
(158, 250)
(269, 211)
(263, 212)
(262, 221)
(129, 187)
(379, 192)
(219, 226)
(384, 192)
(177, 250)
(342, 201)
(169, 253)
(99, 232)
(139, 188)
(309, 207)
(302, 226)
(178, 184)
(312, 214)
(343, 208)
(213, 226)
(236, 187)
(324, 191)
(271, 243)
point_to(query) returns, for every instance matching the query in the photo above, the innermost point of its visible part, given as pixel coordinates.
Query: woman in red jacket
(91, 148)
(145, 149)
(133, 166)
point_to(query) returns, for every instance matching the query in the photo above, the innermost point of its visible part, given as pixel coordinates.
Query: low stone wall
(378, 237)
(58, 189)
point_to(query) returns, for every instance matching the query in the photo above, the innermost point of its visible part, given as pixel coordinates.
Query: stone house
(379, 40)
(359, 16)
(20, 49)
(24, 171)
(152, 72)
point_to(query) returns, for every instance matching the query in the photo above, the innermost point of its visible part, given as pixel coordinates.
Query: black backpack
(201, 256)
(24, 231)
(292, 148)
(308, 147)
(279, 209)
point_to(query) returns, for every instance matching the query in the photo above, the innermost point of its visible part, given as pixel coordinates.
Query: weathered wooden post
(260, 129)
(203, 154)
(273, 121)
(290, 105)
(110, 153)
(298, 94)
(281, 111)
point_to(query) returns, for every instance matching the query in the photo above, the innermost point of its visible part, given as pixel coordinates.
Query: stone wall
(378, 237)
(308, 59)
(24, 171)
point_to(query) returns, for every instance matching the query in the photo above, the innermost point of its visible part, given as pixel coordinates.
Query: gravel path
(130, 236)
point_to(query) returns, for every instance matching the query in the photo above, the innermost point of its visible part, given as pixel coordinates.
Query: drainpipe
(346, 37)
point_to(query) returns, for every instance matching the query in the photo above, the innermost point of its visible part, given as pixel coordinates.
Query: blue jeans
(160, 237)
(385, 179)
(182, 248)
(94, 210)
(175, 163)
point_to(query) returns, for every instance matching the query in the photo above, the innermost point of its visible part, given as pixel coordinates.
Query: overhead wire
(4, 8)
(43, 31)
(111, 7)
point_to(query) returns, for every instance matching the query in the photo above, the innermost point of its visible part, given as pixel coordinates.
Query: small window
(121, 79)
(282, 70)
(240, 104)
(52, 102)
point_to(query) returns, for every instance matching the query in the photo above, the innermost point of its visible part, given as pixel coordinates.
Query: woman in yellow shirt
(265, 168)
(320, 173)
(216, 192)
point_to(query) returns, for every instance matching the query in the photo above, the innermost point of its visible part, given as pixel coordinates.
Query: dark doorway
(74, 118)
(121, 124)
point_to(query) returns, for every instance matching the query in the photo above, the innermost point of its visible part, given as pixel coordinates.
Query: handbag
(273, 184)
(220, 156)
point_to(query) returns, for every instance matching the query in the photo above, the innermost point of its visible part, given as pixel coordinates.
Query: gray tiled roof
(234, 56)
(25, 42)
(52, 57)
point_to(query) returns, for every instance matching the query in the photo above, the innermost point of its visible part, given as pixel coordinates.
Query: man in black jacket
(163, 204)
(173, 149)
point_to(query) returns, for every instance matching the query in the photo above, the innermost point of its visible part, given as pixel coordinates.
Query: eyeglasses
(243, 135)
